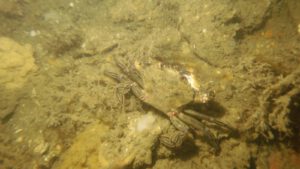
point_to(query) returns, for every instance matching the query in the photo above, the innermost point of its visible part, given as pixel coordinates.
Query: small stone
(34, 33)
(71, 4)
(19, 139)
(41, 148)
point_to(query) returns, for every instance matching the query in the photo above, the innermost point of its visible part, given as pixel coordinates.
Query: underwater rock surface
(59, 110)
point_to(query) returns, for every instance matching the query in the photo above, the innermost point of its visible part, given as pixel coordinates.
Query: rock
(11, 8)
(16, 63)
(84, 152)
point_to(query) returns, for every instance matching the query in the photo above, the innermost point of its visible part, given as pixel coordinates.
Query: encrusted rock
(16, 63)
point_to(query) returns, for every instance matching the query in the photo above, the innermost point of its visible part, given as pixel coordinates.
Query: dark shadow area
(6, 118)
(292, 139)
(295, 121)
(187, 150)
(252, 163)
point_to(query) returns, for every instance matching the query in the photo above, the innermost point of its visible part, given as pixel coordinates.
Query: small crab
(166, 90)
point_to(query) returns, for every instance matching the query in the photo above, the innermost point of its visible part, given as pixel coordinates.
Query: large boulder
(16, 64)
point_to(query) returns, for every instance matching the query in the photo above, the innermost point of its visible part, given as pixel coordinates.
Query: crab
(168, 91)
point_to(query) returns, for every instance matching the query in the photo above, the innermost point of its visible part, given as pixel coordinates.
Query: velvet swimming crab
(168, 91)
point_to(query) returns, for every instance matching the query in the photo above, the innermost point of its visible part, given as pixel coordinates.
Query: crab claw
(177, 123)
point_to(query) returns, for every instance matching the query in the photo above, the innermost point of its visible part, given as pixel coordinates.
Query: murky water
(149, 84)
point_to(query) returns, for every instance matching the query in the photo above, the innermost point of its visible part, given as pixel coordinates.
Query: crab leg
(115, 76)
(198, 126)
(131, 72)
(209, 119)
(172, 141)
(195, 124)
(178, 124)
(137, 91)
(123, 88)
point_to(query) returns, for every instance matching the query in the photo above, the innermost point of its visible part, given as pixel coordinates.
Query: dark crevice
(252, 163)
(295, 121)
